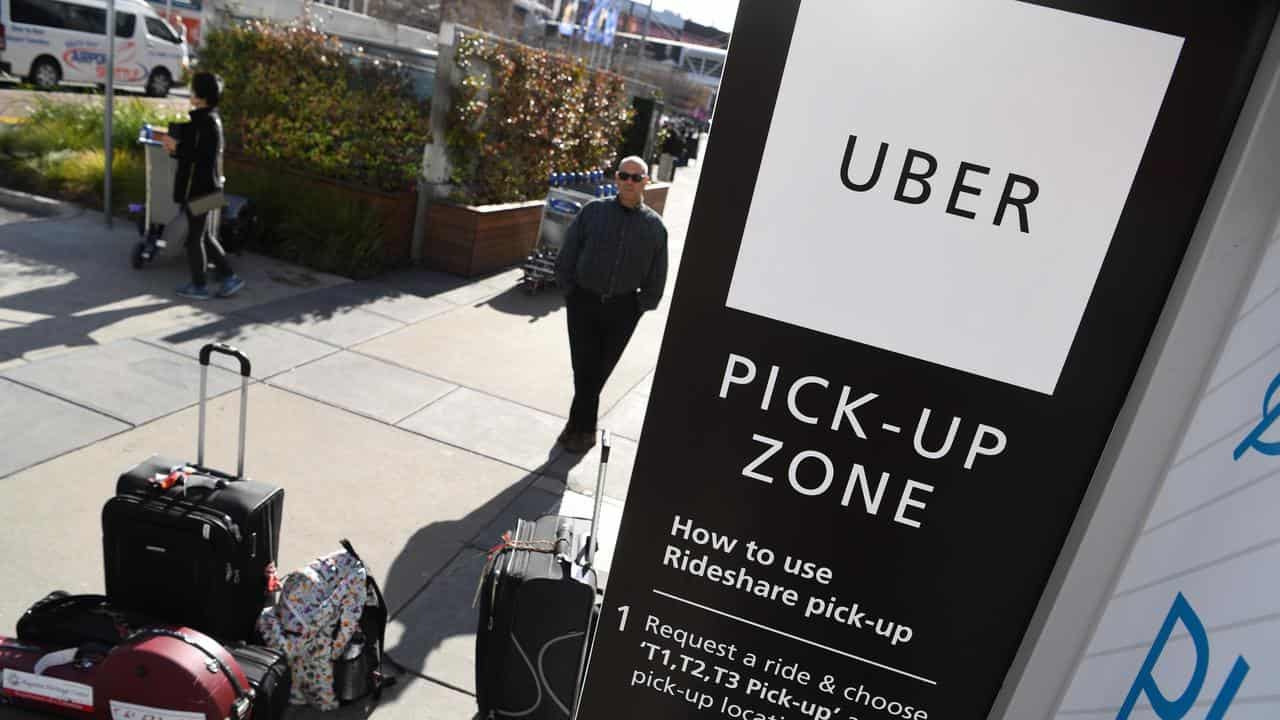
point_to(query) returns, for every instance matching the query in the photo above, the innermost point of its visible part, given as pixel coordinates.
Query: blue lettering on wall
(1178, 707)
(1269, 415)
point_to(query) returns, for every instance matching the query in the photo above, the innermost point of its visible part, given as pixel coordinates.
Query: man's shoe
(580, 442)
(230, 286)
(193, 291)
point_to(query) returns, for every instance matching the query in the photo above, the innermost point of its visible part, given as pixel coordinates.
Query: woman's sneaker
(193, 291)
(230, 286)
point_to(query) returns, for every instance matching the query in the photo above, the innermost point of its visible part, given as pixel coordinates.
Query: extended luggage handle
(206, 353)
(591, 557)
(595, 513)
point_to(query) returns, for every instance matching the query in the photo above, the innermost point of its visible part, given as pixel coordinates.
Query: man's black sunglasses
(633, 177)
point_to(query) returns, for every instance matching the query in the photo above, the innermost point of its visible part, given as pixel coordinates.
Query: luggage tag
(177, 475)
(182, 476)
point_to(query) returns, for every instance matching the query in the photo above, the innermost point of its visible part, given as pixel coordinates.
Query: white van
(49, 42)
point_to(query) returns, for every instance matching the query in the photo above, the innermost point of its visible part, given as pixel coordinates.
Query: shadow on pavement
(561, 462)
(435, 610)
(517, 301)
(402, 297)
(436, 616)
(420, 281)
(51, 300)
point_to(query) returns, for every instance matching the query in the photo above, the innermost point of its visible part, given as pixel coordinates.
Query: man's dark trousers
(599, 330)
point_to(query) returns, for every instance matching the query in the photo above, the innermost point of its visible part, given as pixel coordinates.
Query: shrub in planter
(294, 101)
(293, 98)
(520, 113)
(317, 225)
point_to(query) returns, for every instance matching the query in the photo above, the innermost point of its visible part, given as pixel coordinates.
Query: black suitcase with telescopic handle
(538, 607)
(191, 545)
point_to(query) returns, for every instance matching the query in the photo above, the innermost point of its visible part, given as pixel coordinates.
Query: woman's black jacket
(198, 151)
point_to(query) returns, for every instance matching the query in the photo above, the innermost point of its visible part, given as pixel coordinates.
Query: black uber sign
(930, 246)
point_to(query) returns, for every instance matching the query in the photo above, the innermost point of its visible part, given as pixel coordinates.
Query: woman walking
(197, 188)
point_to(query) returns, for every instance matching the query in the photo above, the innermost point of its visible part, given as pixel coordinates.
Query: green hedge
(292, 97)
(520, 113)
(320, 227)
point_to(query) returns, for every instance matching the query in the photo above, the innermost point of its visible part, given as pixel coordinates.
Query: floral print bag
(317, 621)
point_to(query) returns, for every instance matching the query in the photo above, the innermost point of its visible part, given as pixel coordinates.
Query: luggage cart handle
(206, 353)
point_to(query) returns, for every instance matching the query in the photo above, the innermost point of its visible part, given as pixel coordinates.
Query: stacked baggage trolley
(567, 195)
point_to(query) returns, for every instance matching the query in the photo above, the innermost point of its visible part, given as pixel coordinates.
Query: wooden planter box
(655, 196)
(395, 208)
(472, 240)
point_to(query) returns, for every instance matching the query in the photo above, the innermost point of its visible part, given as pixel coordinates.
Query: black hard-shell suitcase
(537, 607)
(268, 673)
(190, 545)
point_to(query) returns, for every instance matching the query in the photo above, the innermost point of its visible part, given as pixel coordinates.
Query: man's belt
(597, 297)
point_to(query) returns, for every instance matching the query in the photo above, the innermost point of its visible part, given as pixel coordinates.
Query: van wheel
(45, 73)
(159, 83)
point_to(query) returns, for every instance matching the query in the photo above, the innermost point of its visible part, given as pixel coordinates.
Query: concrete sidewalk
(415, 414)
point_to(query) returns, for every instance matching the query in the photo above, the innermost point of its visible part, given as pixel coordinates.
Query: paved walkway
(415, 414)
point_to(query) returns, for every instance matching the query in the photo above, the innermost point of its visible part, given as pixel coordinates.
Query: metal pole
(168, 17)
(106, 123)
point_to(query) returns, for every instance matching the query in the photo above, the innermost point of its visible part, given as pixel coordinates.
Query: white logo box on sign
(1063, 101)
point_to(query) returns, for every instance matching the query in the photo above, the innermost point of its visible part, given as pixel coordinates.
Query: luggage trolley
(159, 211)
(160, 219)
(568, 193)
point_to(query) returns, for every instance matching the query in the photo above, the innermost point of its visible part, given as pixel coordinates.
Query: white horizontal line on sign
(797, 638)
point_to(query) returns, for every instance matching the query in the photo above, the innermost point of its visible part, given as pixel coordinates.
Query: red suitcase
(160, 673)
(172, 674)
(66, 687)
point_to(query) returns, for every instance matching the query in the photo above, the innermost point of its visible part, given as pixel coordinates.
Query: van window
(54, 14)
(37, 12)
(85, 19)
(157, 28)
(125, 23)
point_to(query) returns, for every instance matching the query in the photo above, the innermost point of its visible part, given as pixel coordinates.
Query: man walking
(612, 268)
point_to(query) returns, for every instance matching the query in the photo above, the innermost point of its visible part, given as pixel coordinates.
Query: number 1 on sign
(624, 610)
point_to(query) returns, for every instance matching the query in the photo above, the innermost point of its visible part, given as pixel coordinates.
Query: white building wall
(336, 21)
